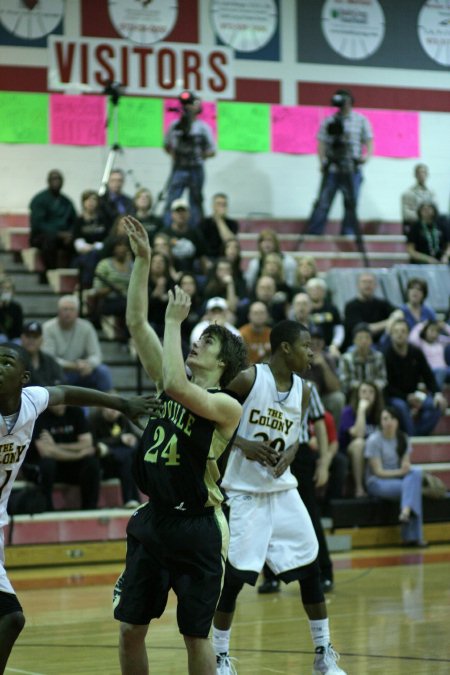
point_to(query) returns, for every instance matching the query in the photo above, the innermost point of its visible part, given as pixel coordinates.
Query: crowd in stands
(373, 353)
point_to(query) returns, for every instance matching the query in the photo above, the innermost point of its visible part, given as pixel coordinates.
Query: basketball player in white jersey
(268, 520)
(19, 408)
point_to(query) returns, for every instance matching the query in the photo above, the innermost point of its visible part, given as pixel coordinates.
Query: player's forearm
(137, 296)
(175, 380)
(83, 396)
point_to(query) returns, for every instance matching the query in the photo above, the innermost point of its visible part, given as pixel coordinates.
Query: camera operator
(342, 138)
(189, 141)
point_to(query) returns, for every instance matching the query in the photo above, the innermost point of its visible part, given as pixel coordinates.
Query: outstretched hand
(178, 306)
(140, 408)
(138, 237)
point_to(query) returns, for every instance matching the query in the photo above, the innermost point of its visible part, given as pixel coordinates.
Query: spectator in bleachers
(66, 453)
(266, 292)
(415, 308)
(362, 363)
(433, 338)
(273, 267)
(301, 309)
(323, 373)
(325, 314)
(109, 293)
(216, 312)
(268, 242)
(415, 197)
(428, 241)
(89, 234)
(221, 283)
(358, 420)
(232, 252)
(45, 371)
(216, 230)
(161, 244)
(143, 209)
(11, 312)
(256, 333)
(188, 284)
(115, 440)
(184, 240)
(73, 342)
(366, 308)
(389, 474)
(306, 270)
(114, 202)
(412, 388)
(52, 218)
(159, 284)
(117, 230)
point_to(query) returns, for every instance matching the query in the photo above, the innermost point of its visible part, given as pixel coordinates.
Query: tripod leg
(327, 192)
(351, 223)
(108, 167)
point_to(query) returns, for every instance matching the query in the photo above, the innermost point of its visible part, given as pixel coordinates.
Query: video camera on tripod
(339, 151)
(186, 98)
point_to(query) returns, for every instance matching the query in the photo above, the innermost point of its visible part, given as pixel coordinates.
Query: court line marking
(24, 672)
(241, 650)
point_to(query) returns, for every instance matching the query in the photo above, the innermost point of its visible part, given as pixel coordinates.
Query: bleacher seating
(366, 522)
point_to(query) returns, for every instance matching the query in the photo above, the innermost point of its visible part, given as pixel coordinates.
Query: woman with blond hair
(268, 242)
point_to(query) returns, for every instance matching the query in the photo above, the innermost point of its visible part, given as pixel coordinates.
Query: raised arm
(145, 339)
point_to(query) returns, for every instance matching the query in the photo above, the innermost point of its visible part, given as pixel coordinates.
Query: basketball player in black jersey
(179, 539)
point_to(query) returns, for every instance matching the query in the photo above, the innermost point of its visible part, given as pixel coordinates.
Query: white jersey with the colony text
(272, 417)
(14, 444)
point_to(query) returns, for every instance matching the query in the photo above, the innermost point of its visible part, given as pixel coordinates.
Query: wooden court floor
(390, 614)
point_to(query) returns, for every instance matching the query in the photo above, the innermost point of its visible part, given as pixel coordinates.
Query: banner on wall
(88, 64)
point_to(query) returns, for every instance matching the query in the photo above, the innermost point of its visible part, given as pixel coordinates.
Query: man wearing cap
(184, 241)
(189, 141)
(216, 312)
(362, 364)
(45, 371)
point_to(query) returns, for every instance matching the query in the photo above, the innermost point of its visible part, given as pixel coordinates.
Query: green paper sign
(140, 123)
(244, 127)
(23, 117)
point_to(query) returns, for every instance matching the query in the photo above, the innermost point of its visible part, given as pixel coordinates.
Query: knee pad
(231, 588)
(310, 587)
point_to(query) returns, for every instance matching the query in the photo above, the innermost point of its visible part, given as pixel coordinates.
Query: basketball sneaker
(325, 662)
(224, 665)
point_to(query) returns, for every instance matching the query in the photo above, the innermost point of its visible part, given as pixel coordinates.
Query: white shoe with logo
(325, 662)
(225, 665)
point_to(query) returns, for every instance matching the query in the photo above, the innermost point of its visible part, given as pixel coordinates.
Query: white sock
(221, 640)
(320, 632)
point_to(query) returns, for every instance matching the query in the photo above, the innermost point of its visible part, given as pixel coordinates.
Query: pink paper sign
(208, 114)
(77, 120)
(294, 128)
(395, 132)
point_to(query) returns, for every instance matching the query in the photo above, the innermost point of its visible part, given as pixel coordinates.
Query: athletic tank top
(14, 442)
(271, 417)
(176, 462)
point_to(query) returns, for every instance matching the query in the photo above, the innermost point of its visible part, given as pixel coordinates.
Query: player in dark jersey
(20, 406)
(178, 539)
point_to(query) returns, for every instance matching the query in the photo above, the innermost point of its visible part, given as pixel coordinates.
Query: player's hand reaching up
(138, 237)
(178, 306)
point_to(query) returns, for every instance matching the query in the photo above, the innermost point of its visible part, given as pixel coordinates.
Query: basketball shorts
(8, 600)
(183, 553)
(273, 528)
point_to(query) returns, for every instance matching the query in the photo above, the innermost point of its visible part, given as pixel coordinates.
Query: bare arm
(322, 470)
(65, 452)
(358, 430)
(377, 469)
(134, 407)
(145, 339)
